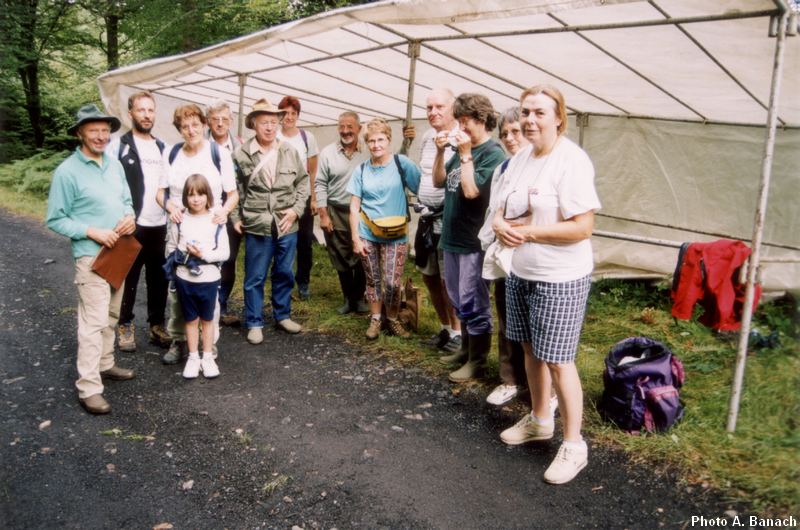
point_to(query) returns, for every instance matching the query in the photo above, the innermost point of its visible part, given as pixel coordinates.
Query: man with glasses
(219, 132)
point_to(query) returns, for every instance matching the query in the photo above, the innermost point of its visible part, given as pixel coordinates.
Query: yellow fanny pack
(391, 227)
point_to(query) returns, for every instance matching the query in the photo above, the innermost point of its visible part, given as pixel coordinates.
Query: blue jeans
(468, 292)
(259, 252)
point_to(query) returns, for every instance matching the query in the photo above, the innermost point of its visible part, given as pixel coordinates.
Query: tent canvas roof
(697, 60)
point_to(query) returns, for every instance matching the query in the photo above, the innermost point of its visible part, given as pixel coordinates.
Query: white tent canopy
(669, 97)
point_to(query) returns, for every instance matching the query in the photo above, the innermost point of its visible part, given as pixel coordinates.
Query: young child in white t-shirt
(203, 246)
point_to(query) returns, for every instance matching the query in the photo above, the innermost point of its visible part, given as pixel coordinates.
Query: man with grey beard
(336, 163)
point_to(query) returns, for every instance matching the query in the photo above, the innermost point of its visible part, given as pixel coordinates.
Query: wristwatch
(466, 158)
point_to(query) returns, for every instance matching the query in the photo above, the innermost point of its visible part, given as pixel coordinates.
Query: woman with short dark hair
(467, 179)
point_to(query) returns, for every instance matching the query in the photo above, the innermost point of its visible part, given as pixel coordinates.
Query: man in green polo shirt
(90, 203)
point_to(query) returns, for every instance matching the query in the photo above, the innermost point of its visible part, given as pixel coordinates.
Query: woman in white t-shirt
(195, 155)
(547, 216)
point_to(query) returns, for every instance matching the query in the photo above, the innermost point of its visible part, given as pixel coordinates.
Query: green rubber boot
(478, 351)
(461, 355)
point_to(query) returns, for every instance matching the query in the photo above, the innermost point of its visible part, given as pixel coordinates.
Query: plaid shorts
(547, 315)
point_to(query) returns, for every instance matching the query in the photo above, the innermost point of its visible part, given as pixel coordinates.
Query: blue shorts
(198, 300)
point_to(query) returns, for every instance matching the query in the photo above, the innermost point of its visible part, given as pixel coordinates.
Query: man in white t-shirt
(439, 105)
(140, 154)
(306, 145)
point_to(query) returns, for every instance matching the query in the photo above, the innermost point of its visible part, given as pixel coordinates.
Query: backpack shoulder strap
(174, 152)
(215, 157)
(216, 236)
(304, 136)
(160, 146)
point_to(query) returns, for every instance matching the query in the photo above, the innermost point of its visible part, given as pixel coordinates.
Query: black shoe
(438, 340)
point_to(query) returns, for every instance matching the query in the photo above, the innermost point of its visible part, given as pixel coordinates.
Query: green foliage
(32, 175)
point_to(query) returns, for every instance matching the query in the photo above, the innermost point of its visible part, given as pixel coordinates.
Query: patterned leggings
(384, 264)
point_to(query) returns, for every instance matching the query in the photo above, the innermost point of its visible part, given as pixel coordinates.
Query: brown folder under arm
(113, 264)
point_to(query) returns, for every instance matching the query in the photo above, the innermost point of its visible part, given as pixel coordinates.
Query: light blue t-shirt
(84, 193)
(381, 191)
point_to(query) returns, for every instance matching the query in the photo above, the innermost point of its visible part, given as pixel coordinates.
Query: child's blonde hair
(199, 184)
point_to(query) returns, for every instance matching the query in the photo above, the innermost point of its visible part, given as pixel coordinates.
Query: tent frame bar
(758, 224)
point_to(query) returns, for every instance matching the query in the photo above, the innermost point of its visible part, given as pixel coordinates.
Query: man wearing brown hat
(91, 204)
(273, 188)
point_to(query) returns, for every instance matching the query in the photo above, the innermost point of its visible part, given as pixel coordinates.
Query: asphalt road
(303, 431)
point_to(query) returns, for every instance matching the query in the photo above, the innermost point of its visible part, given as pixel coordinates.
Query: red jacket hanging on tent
(708, 272)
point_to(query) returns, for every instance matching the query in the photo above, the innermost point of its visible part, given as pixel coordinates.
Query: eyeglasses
(269, 124)
(518, 206)
(219, 119)
(195, 125)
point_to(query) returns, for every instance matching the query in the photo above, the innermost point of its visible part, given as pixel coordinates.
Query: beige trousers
(98, 312)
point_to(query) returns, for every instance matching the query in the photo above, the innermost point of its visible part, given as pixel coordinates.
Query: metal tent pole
(413, 54)
(758, 226)
(242, 83)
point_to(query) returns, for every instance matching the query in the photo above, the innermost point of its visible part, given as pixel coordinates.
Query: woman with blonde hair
(547, 217)
(379, 223)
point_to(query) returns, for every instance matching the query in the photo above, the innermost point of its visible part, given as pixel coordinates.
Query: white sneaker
(502, 394)
(255, 336)
(527, 430)
(209, 366)
(192, 368)
(569, 461)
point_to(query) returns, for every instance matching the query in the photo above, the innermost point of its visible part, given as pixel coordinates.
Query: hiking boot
(127, 341)
(209, 366)
(345, 308)
(439, 340)
(571, 458)
(115, 373)
(359, 306)
(453, 344)
(374, 329)
(192, 368)
(397, 329)
(159, 336)
(303, 291)
(95, 404)
(527, 430)
(289, 326)
(175, 353)
(255, 336)
(502, 394)
(229, 319)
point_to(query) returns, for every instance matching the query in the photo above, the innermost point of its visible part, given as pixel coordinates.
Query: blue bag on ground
(642, 379)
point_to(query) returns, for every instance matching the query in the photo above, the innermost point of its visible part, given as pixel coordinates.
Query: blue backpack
(642, 379)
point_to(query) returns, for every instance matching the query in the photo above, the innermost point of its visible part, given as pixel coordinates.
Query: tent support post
(758, 225)
(413, 54)
(242, 83)
(583, 120)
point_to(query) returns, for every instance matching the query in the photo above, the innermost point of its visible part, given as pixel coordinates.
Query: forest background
(52, 52)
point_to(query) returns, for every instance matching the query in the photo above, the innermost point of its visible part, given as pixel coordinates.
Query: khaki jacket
(259, 204)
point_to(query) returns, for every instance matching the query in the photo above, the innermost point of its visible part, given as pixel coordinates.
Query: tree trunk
(112, 44)
(29, 74)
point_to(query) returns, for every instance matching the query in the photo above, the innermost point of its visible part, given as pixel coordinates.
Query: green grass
(759, 464)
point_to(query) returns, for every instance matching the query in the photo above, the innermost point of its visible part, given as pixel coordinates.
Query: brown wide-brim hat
(262, 106)
(89, 113)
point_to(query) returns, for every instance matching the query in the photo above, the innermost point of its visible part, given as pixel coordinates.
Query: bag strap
(404, 183)
(304, 136)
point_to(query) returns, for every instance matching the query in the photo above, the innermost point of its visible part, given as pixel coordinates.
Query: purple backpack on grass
(642, 381)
